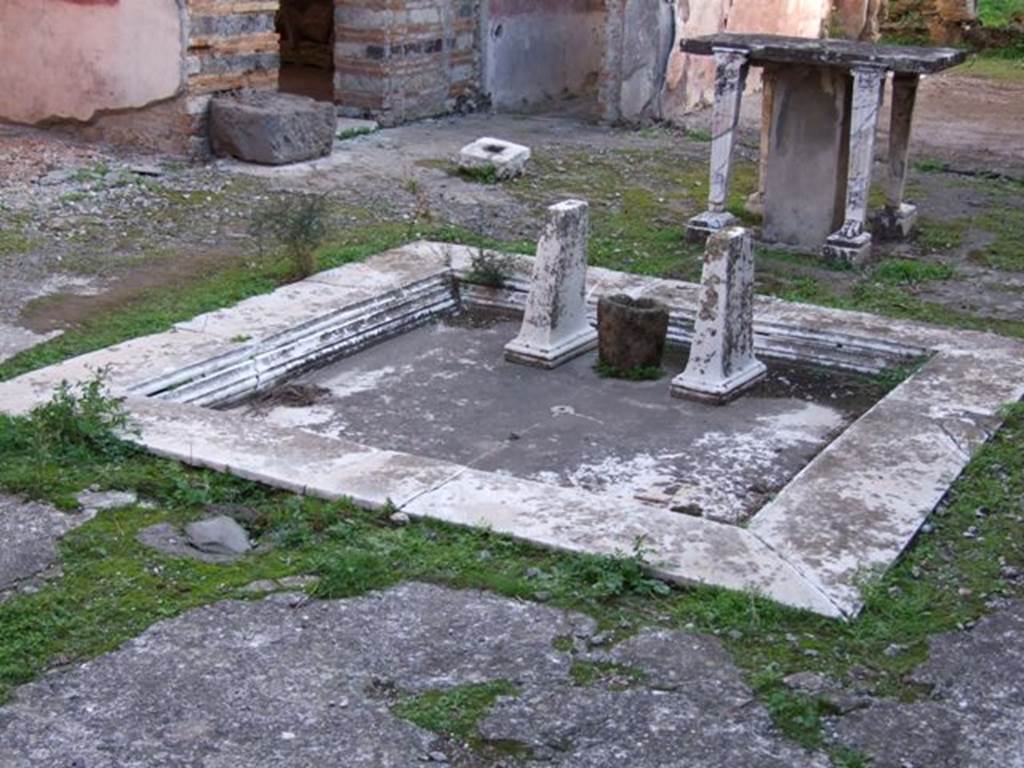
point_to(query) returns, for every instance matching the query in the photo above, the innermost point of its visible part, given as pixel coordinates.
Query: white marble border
(851, 511)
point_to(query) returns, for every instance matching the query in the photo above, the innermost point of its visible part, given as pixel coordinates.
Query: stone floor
(445, 391)
(288, 682)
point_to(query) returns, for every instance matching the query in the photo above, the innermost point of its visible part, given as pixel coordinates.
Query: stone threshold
(849, 513)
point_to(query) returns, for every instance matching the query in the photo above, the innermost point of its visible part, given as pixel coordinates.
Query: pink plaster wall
(69, 59)
(690, 81)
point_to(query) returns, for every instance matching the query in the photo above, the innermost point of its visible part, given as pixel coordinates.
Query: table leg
(730, 80)
(899, 219)
(852, 243)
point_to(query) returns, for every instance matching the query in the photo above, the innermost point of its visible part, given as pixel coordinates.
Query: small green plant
(608, 673)
(931, 165)
(455, 713)
(298, 223)
(1001, 13)
(488, 268)
(352, 133)
(698, 134)
(910, 272)
(597, 579)
(640, 373)
(348, 572)
(78, 420)
(90, 173)
(481, 174)
(933, 235)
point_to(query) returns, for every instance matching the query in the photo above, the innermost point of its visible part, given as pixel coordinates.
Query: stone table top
(846, 54)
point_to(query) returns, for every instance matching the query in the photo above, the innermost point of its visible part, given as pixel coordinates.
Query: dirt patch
(65, 310)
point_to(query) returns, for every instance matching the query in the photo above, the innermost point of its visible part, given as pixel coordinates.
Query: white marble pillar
(852, 244)
(899, 219)
(556, 327)
(722, 364)
(730, 81)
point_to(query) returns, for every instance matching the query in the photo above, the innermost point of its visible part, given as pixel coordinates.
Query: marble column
(899, 219)
(555, 326)
(852, 243)
(730, 81)
(722, 365)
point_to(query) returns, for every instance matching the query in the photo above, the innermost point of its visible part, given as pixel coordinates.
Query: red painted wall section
(73, 59)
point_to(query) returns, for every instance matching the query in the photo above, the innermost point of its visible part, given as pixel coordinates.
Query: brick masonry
(402, 59)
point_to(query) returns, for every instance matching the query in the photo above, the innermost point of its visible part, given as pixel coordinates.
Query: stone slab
(856, 507)
(971, 714)
(122, 365)
(846, 54)
(15, 339)
(29, 532)
(168, 539)
(292, 459)
(805, 179)
(678, 547)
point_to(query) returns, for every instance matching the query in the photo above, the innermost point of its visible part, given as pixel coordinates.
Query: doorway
(306, 30)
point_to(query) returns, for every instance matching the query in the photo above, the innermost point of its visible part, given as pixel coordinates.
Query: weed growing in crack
(455, 713)
(489, 269)
(483, 174)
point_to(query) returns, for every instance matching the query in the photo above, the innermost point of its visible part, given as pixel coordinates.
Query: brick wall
(402, 59)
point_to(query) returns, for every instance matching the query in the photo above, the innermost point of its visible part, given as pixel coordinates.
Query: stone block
(806, 171)
(507, 159)
(556, 327)
(855, 251)
(702, 226)
(722, 364)
(271, 128)
(896, 224)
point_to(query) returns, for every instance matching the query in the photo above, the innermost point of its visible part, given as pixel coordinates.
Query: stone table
(822, 99)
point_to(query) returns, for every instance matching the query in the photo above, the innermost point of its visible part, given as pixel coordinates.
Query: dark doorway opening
(306, 28)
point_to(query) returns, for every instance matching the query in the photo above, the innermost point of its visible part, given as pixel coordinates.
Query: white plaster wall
(690, 80)
(539, 51)
(70, 59)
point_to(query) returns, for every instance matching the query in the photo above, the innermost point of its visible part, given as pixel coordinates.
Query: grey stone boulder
(218, 536)
(271, 128)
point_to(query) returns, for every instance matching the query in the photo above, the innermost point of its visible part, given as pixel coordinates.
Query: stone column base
(855, 251)
(896, 224)
(700, 228)
(551, 357)
(721, 392)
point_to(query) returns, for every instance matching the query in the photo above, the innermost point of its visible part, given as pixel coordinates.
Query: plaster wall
(541, 51)
(72, 59)
(690, 80)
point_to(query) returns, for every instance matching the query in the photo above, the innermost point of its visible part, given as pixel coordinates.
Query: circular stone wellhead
(631, 332)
